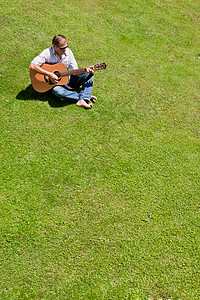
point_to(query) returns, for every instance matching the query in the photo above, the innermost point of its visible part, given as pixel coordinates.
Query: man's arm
(38, 69)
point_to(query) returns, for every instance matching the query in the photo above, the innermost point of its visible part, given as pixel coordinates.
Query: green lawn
(102, 203)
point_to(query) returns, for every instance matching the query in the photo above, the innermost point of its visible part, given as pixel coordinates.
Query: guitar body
(41, 83)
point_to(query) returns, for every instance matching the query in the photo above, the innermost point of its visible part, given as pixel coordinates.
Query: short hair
(57, 38)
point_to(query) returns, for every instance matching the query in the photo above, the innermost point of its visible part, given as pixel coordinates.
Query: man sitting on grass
(79, 87)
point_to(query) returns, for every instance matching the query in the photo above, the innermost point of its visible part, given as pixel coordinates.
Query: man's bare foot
(83, 103)
(93, 98)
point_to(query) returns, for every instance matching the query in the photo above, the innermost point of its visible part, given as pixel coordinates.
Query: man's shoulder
(48, 50)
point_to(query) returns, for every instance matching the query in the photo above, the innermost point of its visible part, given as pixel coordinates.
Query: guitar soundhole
(48, 80)
(57, 73)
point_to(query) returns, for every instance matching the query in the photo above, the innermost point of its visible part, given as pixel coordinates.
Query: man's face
(60, 49)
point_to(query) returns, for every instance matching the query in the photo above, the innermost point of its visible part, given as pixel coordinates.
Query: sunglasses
(62, 48)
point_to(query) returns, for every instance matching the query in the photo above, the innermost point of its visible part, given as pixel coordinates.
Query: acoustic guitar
(41, 83)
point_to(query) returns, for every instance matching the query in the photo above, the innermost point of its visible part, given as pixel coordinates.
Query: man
(79, 87)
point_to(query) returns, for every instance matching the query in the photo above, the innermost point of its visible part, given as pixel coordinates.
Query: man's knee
(58, 91)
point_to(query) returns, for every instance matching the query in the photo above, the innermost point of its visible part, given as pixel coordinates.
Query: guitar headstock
(100, 66)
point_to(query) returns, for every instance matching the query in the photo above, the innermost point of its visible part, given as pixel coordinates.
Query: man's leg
(83, 96)
(76, 81)
(62, 93)
(86, 90)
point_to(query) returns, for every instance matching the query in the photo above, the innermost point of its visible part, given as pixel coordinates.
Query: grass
(102, 204)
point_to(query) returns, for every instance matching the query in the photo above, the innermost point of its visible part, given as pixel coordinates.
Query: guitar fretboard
(73, 72)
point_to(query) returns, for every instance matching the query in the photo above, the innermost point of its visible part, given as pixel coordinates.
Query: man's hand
(90, 69)
(53, 77)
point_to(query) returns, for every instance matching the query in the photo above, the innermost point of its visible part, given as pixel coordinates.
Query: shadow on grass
(30, 94)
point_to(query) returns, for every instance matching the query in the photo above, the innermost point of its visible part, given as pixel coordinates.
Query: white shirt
(49, 56)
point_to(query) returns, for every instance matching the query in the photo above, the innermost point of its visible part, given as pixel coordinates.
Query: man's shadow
(30, 94)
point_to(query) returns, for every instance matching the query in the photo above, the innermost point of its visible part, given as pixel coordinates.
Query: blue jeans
(77, 92)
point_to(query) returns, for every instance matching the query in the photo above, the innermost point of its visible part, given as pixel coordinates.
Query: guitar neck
(73, 72)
